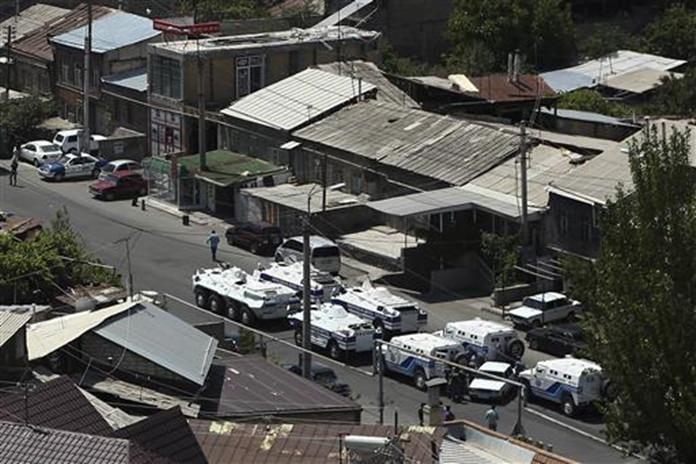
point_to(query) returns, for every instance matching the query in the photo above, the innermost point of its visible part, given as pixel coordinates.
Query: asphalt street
(164, 254)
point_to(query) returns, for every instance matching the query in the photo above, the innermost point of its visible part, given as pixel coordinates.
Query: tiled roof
(36, 44)
(22, 444)
(440, 147)
(165, 435)
(57, 404)
(244, 443)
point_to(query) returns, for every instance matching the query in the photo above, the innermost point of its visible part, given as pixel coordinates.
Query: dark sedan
(558, 340)
(257, 237)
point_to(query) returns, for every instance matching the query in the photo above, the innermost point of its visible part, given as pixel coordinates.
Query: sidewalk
(196, 217)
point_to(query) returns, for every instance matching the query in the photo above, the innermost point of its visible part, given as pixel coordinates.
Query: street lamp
(306, 263)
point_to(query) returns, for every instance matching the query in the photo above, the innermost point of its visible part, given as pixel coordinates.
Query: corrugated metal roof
(29, 20)
(344, 13)
(295, 196)
(449, 200)
(163, 339)
(586, 116)
(451, 150)
(36, 44)
(135, 79)
(252, 386)
(21, 444)
(11, 323)
(111, 32)
(369, 72)
(497, 88)
(462, 452)
(640, 80)
(298, 99)
(245, 443)
(596, 72)
(45, 337)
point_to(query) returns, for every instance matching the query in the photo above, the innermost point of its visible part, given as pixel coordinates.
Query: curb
(161, 206)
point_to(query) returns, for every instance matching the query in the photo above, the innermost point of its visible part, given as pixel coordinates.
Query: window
(250, 74)
(563, 223)
(77, 80)
(585, 228)
(165, 75)
(65, 73)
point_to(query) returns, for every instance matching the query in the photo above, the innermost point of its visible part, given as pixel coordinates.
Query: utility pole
(523, 175)
(201, 108)
(306, 291)
(126, 240)
(324, 175)
(379, 361)
(86, 135)
(8, 66)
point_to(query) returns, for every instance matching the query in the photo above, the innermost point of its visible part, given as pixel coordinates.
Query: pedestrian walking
(449, 415)
(14, 164)
(213, 241)
(492, 418)
(421, 412)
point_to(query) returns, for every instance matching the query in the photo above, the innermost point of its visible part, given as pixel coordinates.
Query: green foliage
(673, 34)
(607, 39)
(19, 118)
(247, 341)
(35, 271)
(640, 301)
(675, 97)
(591, 100)
(501, 253)
(490, 29)
(215, 10)
(394, 64)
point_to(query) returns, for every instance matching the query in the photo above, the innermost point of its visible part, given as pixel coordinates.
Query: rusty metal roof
(36, 45)
(243, 443)
(497, 88)
(440, 147)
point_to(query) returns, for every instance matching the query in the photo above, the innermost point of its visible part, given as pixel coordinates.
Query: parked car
(324, 253)
(68, 140)
(72, 166)
(558, 340)
(543, 308)
(324, 376)
(254, 236)
(39, 152)
(119, 165)
(122, 184)
(484, 388)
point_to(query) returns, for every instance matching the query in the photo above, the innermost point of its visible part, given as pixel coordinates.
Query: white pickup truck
(543, 308)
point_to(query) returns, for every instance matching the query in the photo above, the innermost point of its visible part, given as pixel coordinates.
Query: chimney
(516, 66)
(509, 67)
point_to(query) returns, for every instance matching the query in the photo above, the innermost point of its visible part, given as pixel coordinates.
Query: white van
(324, 253)
(68, 140)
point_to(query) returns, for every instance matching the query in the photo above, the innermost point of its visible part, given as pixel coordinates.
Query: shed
(13, 346)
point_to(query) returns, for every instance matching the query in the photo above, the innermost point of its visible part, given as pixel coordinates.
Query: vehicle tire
(95, 173)
(201, 298)
(571, 316)
(109, 196)
(515, 349)
(534, 344)
(254, 247)
(334, 351)
(419, 379)
(233, 311)
(246, 317)
(462, 359)
(59, 177)
(568, 405)
(37, 163)
(475, 361)
(536, 323)
(609, 390)
(298, 337)
(217, 304)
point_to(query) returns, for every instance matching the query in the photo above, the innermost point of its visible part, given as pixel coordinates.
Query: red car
(120, 184)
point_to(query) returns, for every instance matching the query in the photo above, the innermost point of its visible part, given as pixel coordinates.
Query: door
(29, 152)
(210, 197)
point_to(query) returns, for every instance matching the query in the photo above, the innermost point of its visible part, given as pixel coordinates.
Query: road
(164, 254)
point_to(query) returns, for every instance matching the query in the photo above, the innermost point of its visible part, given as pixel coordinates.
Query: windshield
(65, 159)
(50, 147)
(326, 252)
(112, 178)
(109, 168)
(59, 138)
(531, 303)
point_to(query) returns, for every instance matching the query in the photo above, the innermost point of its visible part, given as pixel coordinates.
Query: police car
(543, 308)
(241, 296)
(484, 388)
(570, 382)
(421, 368)
(336, 330)
(485, 340)
(322, 284)
(72, 166)
(388, 312)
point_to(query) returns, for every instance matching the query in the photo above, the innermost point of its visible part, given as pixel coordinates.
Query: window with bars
(250, 74)
(165, 77)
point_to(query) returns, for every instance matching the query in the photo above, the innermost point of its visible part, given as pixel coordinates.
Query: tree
(640, 300)
(593, 101)
(36, 271)
(19, 118)
(675, 97)
(210, 10)
(673, 34)
(541, 29)
(607, 39)
(501, 253)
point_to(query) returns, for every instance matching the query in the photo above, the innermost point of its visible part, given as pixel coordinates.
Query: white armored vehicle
(571, 382)
(407, 361)
(322, 284)
(388, 312)
(485, 340)
(336, 330)
(241, 296)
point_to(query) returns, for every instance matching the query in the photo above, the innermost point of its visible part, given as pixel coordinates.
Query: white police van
(242, 297)
(485, 340)
(388, 312)
(420, 368)
(322, 284)
(336, 330)
(571, 382)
